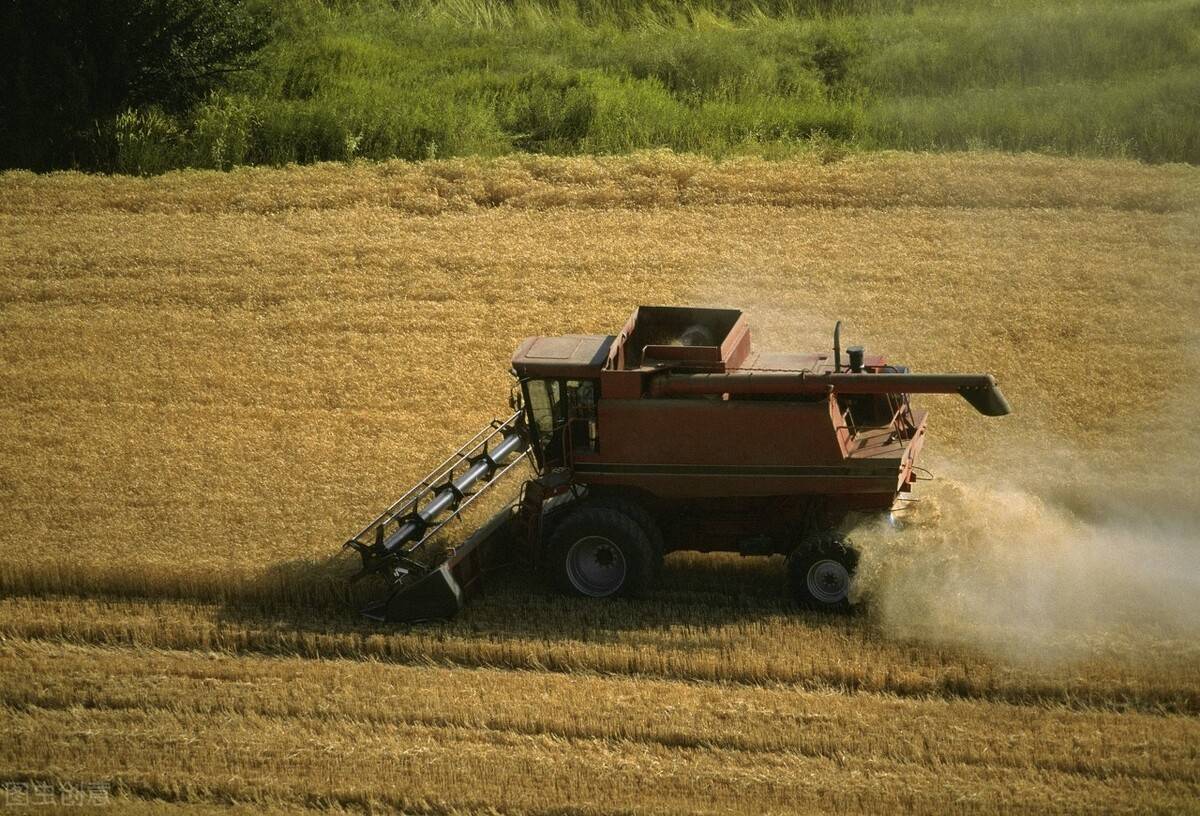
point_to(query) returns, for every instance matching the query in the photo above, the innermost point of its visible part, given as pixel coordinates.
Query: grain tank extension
(673, 434)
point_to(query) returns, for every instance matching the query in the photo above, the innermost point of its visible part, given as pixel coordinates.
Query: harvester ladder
(415, 518)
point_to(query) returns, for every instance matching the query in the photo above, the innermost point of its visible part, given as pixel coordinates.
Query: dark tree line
(67, 66)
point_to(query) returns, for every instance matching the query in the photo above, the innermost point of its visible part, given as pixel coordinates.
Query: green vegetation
(432, 78)
(78, 74)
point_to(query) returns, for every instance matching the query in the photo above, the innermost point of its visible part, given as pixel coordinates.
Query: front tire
(600, 552)
(642, 518)
(820, 572)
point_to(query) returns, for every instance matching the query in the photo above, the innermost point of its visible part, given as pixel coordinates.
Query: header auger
(673, 434)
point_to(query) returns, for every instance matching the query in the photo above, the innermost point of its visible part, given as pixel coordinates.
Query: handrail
(439, 474)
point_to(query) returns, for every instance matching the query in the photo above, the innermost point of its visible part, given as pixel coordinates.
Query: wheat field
(211, 379)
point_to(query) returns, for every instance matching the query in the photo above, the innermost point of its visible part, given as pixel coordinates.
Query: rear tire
(820, 572)
(600, 552)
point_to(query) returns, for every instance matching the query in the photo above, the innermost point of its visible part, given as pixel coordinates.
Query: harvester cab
(672, 434)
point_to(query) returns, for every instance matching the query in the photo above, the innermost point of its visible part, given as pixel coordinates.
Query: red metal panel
(737, 343)
(713, 447)
(671, 486)
(715, 431)
(620, 385)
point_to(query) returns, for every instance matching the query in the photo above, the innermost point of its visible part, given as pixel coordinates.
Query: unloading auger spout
(980, 390)
(392, 546)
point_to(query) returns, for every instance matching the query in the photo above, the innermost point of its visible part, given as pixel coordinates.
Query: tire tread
(634, 542)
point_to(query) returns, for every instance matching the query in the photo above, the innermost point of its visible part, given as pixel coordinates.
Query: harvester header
(674, 433)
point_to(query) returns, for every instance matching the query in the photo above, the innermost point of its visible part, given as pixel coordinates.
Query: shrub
(70, 68)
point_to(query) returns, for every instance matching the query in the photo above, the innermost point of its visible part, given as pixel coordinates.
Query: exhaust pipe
(856, 355)
(837, 347)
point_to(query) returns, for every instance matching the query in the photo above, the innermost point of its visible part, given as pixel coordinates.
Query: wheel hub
(596, 566)
(828, 581)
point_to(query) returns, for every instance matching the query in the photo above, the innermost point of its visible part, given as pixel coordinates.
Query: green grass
(433, 78)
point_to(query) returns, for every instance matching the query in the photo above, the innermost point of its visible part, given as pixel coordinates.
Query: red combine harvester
(674, 434)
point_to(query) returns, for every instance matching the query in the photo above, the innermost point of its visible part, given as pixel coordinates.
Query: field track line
(431, 648)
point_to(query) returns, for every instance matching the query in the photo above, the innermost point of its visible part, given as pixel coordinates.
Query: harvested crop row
(56, 677)
(752, 646)
(349, 730)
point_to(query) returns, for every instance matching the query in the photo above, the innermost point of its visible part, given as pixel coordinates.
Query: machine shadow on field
(694, 590)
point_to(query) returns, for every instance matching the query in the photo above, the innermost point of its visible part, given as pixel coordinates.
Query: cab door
(544, 404)
(562, 419)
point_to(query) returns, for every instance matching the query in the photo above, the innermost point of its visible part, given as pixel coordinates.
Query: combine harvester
(675, 434)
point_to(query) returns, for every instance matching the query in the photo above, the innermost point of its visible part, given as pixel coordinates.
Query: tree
(68, 65)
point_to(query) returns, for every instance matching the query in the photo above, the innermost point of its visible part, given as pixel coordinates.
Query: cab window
(545, 397)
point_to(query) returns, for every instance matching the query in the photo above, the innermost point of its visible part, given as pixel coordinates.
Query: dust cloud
(1054, 551)
(1044, 571)
(1031, 552)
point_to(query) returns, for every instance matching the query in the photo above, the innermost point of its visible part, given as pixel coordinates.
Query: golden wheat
(753, 645)
(211, 379)
(296, 728)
